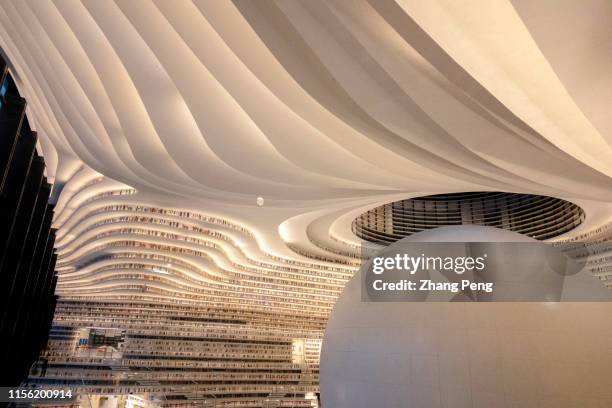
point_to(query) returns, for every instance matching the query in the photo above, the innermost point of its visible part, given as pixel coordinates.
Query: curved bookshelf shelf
(537, 216)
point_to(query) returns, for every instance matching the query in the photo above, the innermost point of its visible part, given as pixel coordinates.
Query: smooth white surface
(466, 355)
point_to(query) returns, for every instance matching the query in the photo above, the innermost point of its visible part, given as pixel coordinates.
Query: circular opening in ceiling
(536, 216)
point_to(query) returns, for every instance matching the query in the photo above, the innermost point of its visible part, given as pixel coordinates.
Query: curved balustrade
(536, 216)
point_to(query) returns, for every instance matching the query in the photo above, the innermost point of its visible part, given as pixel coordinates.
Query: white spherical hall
(460, 355)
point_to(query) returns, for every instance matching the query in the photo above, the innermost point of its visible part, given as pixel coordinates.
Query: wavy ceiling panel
(326, 109)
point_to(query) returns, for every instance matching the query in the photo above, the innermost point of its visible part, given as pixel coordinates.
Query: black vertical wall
(27, 258)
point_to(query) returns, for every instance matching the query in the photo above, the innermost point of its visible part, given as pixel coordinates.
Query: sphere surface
(429, 355)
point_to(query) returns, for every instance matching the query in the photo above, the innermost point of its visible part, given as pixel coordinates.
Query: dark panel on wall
(27, 258)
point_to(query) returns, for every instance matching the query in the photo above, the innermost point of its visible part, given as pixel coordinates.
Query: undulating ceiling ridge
(111, 245)
(354, 99)
(326, 109)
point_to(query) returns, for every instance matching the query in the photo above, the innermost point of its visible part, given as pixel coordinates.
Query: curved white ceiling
(324, 108)
(309, 100)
